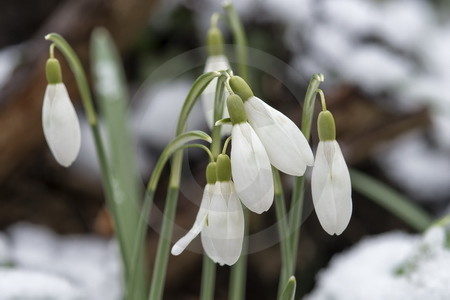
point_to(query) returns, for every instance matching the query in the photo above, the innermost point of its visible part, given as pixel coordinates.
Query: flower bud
(241, 88)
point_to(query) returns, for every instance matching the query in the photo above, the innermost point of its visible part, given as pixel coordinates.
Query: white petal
(199, 223)
(331, 188)
(215, 63)
(250, 166)
(285, 144)
(223, 235)
(60, 124)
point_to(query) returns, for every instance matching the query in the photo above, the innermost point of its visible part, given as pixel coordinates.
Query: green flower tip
(53, 71)
(240, 87)
(326, 126)
(236, 109)
(215, 42)
(223, 168)
(211, 170)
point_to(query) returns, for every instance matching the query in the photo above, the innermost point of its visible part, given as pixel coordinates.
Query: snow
(157, 111)
(9, 58)
(424, 171)
(391, 266)
(48, 266)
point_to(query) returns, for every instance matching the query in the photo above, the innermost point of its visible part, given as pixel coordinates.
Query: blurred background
(387, 73)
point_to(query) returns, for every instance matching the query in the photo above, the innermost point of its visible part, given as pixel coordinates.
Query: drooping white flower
(214, 63)
(220, 219)
(60, 121)
(285, 144)
(330, 182)
(199, 223)
(252, 173)
(223, 235)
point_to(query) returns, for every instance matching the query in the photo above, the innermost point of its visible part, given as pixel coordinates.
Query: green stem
(298, 192)
(391, 200)
(208, 278)
(239, 270)
(177, 143)
(86, 98)
(240, 39)
(218, 113)
(209, 267)
(283, 231)
(162, 253)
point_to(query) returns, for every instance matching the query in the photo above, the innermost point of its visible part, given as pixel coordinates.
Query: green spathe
(215, 42)
(326, 126)
(223, 168)
(53, 71)
(236, 109)
(241, 87)
(211, 173)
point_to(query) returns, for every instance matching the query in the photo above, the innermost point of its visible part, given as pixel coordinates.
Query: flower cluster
(262, 137)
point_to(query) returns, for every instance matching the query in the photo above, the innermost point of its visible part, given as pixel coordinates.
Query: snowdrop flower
(220, 219)
(252, 173)
(286, 146)
(59, 119)
(216, 61)
(330, 182)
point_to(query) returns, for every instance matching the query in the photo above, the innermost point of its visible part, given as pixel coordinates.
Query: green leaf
(111, 91)
(289, 290)
(391, 200)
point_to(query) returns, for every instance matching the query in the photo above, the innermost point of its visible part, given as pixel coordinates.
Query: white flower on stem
(59, 119)
(286, 146)
(199, 223)
(223, 235)
(220, 219)
(216, 61)
(252, 173)
(330, 182)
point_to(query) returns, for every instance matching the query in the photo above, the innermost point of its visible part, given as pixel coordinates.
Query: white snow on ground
(9, 58)
(423, 170)
(392, 266)
(48, 266)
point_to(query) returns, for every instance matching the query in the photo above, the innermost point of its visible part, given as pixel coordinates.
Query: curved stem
(162, 252)
(77, 69)
(225, 145)
(52, 50)
(240, 39)
(322, 99)
(298, 192)
(176, 144)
